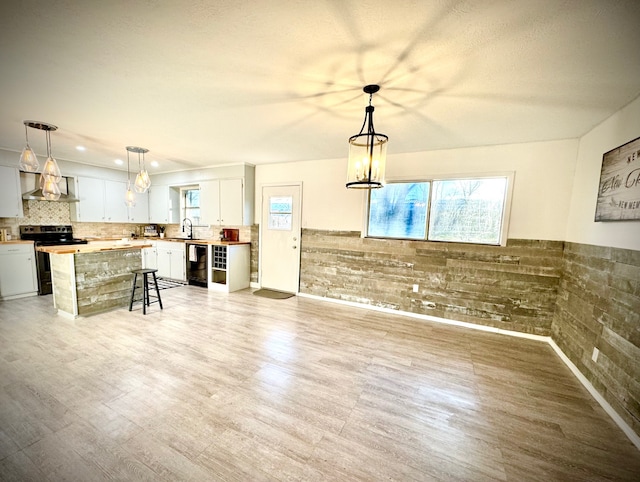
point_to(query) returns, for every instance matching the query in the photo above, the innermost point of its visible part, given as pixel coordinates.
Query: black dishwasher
(197, 264)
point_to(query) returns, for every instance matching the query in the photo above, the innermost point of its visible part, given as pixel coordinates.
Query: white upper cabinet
(140, 212)
(164, 204)
(222, 202)
(101, 201)
(90, 207)
(10, 195)
(115, 209)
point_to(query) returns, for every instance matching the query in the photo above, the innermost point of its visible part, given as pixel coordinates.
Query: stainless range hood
(31, 191)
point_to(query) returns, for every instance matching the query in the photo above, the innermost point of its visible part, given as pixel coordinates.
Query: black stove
(47, 236)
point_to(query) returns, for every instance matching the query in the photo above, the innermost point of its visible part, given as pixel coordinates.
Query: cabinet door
(90, 208)
(115, 209)
(178, 265)
(10, 196)
(210, 202)
(140, 212)
(150, 258)
(159, 204)
(231, 202)
(17, 273)
(164, 262)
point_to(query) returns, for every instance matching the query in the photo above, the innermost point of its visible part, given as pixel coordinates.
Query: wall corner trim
(628, 431)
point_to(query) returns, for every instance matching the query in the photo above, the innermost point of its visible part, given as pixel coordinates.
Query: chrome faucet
(184, 223)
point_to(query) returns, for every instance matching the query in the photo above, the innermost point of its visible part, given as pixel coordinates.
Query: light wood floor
(238, 387)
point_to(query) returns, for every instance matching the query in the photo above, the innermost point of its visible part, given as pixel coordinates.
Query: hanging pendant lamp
(129, 196)
(367, 152)
(143, 181)
(28, 160)
(50, 175)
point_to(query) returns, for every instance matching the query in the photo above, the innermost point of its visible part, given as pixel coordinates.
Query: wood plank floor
(238, 387)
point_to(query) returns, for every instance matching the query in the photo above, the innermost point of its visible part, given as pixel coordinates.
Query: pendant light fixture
(143, 182)
(28, 160)
(50, 175)
(129, 196)
(367, 151)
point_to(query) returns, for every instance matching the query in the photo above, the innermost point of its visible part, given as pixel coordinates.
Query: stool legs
(155, 282)
(146, 301)
(133, 290)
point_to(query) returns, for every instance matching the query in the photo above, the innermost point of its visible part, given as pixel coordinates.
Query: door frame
(260, 234)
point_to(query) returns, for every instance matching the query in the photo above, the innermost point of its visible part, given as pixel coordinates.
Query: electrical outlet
(416, 288)
(594, 355)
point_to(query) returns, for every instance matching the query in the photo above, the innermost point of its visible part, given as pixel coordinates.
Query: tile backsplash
(38, 212)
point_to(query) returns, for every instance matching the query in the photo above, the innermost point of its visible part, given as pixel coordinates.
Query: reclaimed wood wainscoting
(511, 287)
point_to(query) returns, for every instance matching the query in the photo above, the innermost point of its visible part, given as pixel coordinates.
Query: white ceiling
(202, 82)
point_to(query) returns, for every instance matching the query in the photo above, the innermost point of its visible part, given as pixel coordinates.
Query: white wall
(618, 129)
(542, 189)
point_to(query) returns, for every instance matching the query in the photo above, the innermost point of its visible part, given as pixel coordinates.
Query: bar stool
(145, 288)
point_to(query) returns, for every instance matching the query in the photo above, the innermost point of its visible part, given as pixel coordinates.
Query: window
(190, 204)
(470, 210)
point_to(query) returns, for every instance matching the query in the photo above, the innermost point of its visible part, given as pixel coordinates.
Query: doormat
(165, 284)
(274, 295)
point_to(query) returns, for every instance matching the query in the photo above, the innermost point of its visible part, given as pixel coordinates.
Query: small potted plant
(161, 230)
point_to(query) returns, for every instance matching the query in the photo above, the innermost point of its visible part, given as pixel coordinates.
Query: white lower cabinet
(229, 267)
(172, 261)
(18, 276)
(150, 257)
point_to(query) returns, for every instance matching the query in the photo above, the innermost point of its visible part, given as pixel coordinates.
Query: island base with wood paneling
(86, 283)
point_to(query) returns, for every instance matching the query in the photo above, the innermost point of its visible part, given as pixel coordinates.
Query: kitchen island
(93, 278)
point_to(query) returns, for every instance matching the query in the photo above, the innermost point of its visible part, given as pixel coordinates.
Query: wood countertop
(216, 242)
(91, 248)
(16, 241)
(154, 239)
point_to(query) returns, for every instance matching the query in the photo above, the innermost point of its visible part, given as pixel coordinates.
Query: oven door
(43, 265)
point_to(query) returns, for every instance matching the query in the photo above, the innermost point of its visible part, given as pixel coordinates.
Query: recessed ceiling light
(81, 148)
(154, 163)
(119, 162)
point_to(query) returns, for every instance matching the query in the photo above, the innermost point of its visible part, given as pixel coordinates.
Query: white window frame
(183, 202)
(506, 210)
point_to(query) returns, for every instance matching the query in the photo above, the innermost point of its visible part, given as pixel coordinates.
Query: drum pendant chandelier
(367, 152)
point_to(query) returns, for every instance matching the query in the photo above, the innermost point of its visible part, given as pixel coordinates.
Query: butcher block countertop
(16, 241)
(217, 242)
(93, 247)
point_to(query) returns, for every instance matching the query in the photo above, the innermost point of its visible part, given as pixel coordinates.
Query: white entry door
(280, 238)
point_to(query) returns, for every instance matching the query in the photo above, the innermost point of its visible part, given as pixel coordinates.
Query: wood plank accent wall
(512, 287)
(598, 306)
(104, 279)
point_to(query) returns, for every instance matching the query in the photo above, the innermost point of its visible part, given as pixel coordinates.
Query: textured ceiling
(201, 83)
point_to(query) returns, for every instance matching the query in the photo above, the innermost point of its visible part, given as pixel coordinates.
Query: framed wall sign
(619, 191)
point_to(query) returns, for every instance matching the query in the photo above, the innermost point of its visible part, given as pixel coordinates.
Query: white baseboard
(436, 319)
(635, 439)
(628, 431)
